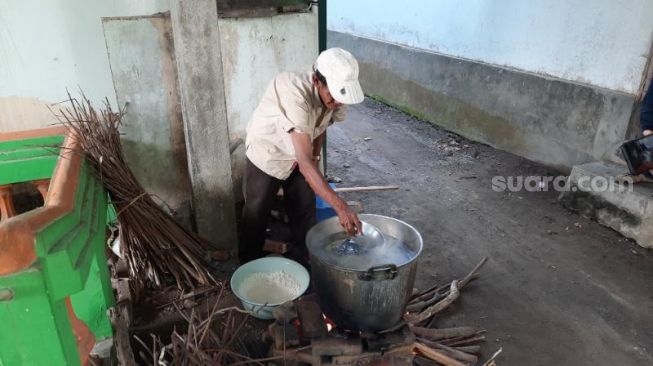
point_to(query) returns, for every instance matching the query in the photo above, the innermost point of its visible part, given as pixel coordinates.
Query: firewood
(450, 341)
(421, 305)
(423, 361)
(285, 313)
(491, 360)
(154, 245)
(466, 341)
(469, 349)
(471, 275)
(436, 355)
(436, 308)
(437, 334)
(310, 316)
(336, 346)
(429, 293)
(450, 351)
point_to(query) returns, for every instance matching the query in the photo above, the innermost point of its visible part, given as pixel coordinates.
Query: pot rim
(341, 268)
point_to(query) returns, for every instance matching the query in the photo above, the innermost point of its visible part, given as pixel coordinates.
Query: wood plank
(310, 316)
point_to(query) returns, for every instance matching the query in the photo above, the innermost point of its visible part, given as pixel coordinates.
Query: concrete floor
(558, 289)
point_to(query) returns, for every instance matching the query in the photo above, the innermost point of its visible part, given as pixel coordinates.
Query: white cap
(340, 69)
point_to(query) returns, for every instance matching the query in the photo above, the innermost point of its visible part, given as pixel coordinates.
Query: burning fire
(329, 324)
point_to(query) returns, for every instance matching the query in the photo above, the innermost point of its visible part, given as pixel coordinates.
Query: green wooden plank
(96, 232)
(74, 242)
(18, 171)
(62, 279)
(28, 153)
(52, 235)
(35, 331)
(56, 140)
(91, 303)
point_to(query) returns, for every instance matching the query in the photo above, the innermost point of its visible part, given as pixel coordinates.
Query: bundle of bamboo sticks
(155, 247)
(216, 337)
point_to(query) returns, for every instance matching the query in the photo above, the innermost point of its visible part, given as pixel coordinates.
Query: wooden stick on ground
(469, 349)
(471, 275)
(434, 309)
(435, 355)
(450, 351)
(420, 305)
(465, 341)
(489, 362)
(444, 333)
(437, 291)
(366, 189)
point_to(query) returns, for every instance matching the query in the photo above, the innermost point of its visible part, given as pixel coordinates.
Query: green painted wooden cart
(54, 282)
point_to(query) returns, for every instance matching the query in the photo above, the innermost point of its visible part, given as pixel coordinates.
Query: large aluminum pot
(369, 294)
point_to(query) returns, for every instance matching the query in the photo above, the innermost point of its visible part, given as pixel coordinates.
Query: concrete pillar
(201, 88)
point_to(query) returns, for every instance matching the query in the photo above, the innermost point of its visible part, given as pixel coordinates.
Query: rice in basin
(268, 288)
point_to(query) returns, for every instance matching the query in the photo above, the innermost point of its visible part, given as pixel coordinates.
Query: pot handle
(380, 273)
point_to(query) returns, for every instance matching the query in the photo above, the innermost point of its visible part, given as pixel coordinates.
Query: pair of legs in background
(260, 194)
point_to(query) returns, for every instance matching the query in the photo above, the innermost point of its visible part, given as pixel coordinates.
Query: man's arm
(317, 144)
(303, 152)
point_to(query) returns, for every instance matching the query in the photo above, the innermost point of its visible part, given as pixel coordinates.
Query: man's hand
(647, 132)
(348, 219)
(304, 154)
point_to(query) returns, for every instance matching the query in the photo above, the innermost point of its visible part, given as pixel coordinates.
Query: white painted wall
(599, 42)
(48, 46)
(254, 51)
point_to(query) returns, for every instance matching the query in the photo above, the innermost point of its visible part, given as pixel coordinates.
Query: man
(646, 112)
(646, 126)
(283, 145)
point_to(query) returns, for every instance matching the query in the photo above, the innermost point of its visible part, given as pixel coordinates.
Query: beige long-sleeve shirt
(290, 102)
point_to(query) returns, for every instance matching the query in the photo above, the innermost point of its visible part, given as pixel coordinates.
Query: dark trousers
(260, 193)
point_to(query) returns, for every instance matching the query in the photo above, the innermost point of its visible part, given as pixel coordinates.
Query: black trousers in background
(260, 193)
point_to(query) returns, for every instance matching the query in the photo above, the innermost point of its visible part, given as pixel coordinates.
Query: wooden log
(387, 341)
(421, 305)
(332, 346)
(450, 351)
(436, 308)
(121, 320)
(436, 355)
(429, 293)
(124, 352)
(444, 333)
(465, 341)
(300, 355)
(285, 313)
(310, 315)
(470, 349)
(423, 361)
(471, 275)
(494, 356)
(284, 335)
